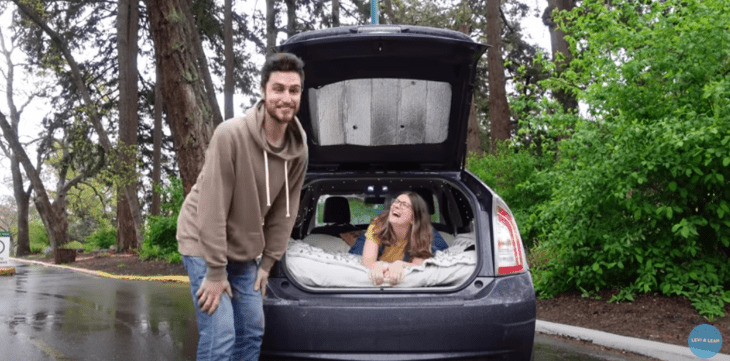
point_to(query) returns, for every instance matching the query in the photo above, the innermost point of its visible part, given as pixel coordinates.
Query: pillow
(350, 237)
(327, 242)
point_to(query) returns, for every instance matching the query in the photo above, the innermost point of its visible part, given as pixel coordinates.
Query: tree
(92, 112)
(52, 219)
(127, 24)
(157, 142)
(271, 30)
(498, 107)
(473, 145)
(291, 17)
(561, 48)
(21, 195)
(205, 74)
(229, 86)
(335, 13)
(187, 104)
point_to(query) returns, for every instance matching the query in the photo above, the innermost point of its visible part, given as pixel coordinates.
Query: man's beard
(271, 110)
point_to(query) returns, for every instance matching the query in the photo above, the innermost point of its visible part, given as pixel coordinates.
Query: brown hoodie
(239, 206)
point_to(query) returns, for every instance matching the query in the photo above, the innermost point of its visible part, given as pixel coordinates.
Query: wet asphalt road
(57, 314)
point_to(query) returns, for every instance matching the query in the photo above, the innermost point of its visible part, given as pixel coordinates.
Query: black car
(386, 109)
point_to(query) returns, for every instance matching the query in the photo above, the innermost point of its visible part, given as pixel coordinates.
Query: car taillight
(510, 256)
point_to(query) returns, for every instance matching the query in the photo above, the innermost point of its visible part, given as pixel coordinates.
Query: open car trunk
(335, 211)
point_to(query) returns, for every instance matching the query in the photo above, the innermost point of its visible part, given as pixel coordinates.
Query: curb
(179, 279)
(655, 349)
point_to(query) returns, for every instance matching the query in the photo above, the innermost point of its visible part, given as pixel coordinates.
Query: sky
(31, 121)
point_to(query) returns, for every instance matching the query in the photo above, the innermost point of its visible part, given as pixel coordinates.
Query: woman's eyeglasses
(400, 203)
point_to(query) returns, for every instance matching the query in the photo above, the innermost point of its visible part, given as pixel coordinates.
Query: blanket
(316, 267)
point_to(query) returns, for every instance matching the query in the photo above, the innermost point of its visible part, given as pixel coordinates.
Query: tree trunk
(291, 18)
(127, 20)
(335, 13)
(189, 112)
(560, 46)
(60, 225)
(473, 145)
(203, 69)
(157, 141)
(270, 27)
(228, 87)
(498, 106)
(125, 225)
(21, 200)
(92, 111)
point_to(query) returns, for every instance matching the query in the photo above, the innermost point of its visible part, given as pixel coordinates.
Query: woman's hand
(376, 275)
(395, 273)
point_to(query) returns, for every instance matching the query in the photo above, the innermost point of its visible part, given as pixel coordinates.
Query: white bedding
(316, 267)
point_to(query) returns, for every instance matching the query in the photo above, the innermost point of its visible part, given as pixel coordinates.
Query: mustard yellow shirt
(390, 253)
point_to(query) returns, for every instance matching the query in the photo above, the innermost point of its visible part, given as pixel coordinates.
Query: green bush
(73, 245)
(161, 231)
(103, 237)
(37, 248)
(513, 174)
(640, 195)
(37, 237)
(160, 241)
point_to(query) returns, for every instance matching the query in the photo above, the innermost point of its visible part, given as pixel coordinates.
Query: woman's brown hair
(420, 234)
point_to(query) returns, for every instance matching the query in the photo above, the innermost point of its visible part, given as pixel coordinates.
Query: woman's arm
(414, 263)
(376, 275)
(369, 253)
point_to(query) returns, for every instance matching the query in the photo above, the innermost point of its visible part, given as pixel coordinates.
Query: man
(243, 205)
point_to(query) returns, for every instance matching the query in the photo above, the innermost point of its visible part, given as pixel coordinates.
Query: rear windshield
(376, 112)
(363, 212)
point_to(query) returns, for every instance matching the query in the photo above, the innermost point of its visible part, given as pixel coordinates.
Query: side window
(436, 216)
(320, 212)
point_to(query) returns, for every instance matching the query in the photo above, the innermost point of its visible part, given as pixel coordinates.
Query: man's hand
(395, 273)
(376, 275)
(262, 278)
(210, 293)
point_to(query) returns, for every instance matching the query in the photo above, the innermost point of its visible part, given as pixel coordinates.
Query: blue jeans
(235, 330)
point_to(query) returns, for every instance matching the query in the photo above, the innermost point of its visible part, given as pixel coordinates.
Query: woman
(399, 238)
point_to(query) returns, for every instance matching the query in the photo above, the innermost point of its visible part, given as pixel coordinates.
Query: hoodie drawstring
(286, 182)
(286, 185)
(266, 169)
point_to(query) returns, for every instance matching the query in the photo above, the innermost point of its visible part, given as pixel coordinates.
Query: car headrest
(336, 210)
(428, 197)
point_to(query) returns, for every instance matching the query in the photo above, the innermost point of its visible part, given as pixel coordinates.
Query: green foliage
(513, 174)
(641, 195)
(161, 232)
(104, 237)
(160, 241)
(37, 237)
(73, 245)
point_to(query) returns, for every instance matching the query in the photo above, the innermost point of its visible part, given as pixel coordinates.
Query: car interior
(335, 212)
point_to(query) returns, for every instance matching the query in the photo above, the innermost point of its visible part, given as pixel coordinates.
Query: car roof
(374, 64)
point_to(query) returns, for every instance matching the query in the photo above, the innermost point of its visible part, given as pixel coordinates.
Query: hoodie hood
(296, 143)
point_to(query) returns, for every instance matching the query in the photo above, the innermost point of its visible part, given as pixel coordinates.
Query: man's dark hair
(281, 62)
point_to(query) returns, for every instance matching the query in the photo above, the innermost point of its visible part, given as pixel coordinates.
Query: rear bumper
(493, 321)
